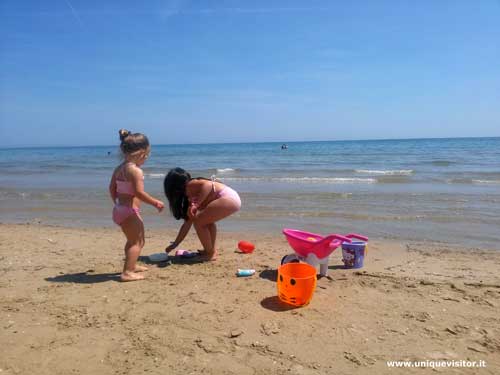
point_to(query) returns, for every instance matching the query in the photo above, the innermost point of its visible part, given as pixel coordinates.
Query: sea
(439, 190)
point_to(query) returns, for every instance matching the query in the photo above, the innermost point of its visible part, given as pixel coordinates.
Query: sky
(74, 72)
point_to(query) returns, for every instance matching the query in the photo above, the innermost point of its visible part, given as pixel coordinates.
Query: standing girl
(127, 191)
(200, 202)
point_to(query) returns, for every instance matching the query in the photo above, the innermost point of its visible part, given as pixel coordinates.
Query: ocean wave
(225, 170)
(39, 195)
(162, 175)
(394, 179)
(396, 172)
(312, 180)
(472, 181)
(155, 175)
(486, 182)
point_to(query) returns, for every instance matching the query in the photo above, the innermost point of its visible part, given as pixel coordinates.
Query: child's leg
(205, 238)
(212, 228)
(205, 222)
(133, 228)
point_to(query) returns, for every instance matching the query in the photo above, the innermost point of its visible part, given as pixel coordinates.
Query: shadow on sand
(85, 278)
(271, 275)
(337, 267)
(274, 304)
(171, 260)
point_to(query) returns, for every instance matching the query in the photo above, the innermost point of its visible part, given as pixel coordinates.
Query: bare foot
(205, 257)
(140, 268)
(131, 276)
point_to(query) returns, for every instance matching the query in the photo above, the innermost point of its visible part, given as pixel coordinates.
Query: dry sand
(64, 312)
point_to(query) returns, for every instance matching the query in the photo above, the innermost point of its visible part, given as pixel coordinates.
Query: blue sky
(73, 72)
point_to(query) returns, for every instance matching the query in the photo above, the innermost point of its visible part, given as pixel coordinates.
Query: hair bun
(124, 133)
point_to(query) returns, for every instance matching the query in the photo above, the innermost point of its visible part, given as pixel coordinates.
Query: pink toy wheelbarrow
(313, 248)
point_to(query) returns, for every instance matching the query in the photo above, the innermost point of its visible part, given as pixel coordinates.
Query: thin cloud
(258, 10)
(173, 8)
(75, 14)
(167, 12)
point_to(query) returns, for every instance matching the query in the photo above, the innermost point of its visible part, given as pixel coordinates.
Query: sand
(63, 310)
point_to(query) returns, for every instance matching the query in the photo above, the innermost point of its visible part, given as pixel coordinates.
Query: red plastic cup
(246, 247)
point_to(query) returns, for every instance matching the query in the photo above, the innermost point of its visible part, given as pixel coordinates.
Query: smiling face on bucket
(296, 283)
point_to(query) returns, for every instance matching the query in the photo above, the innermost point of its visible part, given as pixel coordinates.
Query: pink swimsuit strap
(122, 185)
(220, 193)
(195, 200)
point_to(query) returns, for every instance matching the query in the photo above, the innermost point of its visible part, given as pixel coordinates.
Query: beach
(374, 122)
(63, 310)
(429, 290)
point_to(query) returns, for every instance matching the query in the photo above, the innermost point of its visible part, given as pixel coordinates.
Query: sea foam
(397, 172)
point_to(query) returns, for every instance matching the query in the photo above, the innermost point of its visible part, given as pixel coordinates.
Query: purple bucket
(353, 254)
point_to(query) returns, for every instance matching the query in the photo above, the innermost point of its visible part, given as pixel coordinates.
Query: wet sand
(63, 310)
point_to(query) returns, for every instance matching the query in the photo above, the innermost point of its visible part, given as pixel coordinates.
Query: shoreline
(65, 312)
(170, 227)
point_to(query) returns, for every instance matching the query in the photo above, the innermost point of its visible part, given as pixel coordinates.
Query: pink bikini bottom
(227, 192)
(121, 213)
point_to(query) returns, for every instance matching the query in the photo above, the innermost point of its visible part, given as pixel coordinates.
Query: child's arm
(183, 231)
(112, 188)
(206, 195)
(138, 181)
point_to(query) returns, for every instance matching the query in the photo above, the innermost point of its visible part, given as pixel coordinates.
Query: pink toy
(314, 248)
(305, 243)
(185, 254)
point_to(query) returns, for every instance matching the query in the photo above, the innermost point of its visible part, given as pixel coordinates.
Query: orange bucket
(296, 283)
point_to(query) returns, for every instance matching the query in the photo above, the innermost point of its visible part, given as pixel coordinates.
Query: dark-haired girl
(200, 202)
(127, 191)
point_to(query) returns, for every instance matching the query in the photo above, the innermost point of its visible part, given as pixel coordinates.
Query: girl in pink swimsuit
(127, 191)
(201, 202)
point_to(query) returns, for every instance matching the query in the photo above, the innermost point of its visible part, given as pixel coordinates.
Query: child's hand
(159, 206)
(171, 247)
(193, 209)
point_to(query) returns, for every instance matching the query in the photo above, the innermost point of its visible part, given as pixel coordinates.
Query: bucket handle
(337, 239)
(357, 236)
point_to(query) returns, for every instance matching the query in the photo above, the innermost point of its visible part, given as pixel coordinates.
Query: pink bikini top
(124, 186)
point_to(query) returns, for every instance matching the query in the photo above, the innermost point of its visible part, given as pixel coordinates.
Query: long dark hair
(175, 189)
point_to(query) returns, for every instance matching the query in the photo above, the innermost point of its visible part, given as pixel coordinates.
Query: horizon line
(236, 143)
